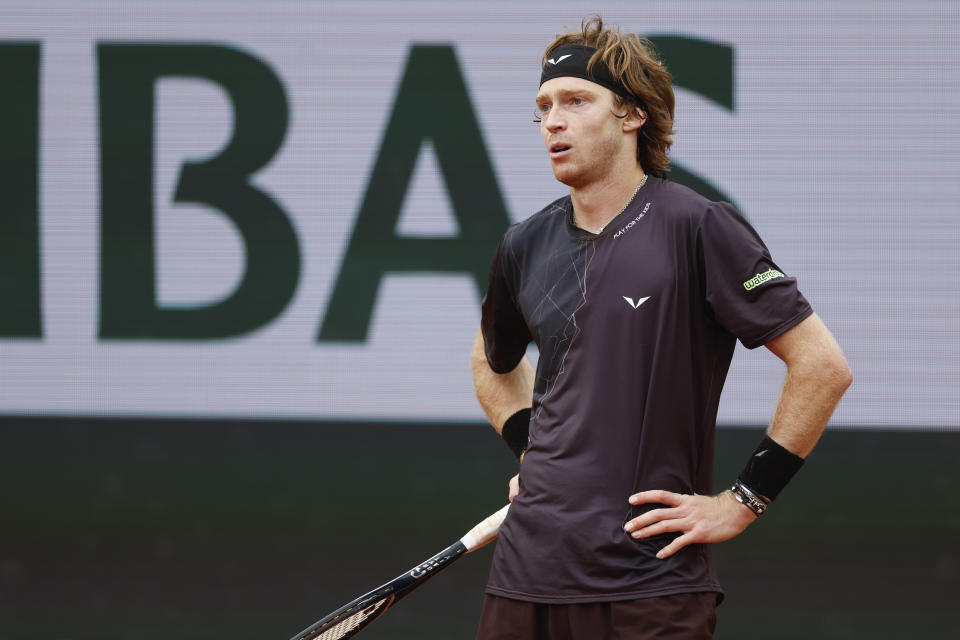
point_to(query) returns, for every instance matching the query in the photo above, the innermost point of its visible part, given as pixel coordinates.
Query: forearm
(806, 403)
(817, 377)
(500, 394)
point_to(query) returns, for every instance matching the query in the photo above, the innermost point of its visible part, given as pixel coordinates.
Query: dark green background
(207, 529)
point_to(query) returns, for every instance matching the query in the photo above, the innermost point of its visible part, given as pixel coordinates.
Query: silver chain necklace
(643, 181)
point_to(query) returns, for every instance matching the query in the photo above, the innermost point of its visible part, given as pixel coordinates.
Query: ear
(634, 120)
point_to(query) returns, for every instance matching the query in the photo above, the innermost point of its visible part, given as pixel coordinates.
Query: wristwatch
(748, 498)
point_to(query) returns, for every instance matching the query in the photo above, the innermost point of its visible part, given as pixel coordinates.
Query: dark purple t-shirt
(636, 327)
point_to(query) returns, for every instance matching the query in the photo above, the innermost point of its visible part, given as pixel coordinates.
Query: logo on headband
(577, 67)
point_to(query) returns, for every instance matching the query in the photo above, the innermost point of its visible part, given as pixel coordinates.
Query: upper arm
(810, 344)
(745, 290)
(478, 354)
(504, 330)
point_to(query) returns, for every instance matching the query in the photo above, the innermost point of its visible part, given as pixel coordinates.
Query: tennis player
(635, 289)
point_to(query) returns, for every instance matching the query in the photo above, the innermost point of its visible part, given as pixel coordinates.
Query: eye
(577, 100)
(540, 112)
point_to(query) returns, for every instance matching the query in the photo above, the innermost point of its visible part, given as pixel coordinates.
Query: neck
(596, 204)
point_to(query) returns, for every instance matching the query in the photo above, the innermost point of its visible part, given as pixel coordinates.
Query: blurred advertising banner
(287, 209)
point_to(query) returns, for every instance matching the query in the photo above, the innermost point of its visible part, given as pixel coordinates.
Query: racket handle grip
(485, 531)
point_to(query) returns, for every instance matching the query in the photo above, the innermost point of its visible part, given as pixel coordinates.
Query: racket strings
(345, 628)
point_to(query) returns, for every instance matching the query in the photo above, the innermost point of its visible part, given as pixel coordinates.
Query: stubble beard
(578, 175)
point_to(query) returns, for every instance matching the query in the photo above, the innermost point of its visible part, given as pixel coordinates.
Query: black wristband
(516, 432)
(769, 469)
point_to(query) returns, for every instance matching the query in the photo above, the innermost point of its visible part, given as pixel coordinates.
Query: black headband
(570, 60)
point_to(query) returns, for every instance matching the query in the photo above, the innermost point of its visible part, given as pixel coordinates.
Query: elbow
(837, 373)
(827, 371)
(847, 377)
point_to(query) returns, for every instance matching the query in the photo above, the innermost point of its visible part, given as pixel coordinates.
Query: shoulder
(679, 194)
(682, 202)
(682, 206)
(526, 232)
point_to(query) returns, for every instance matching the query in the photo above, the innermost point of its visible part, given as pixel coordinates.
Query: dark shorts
(686, 616)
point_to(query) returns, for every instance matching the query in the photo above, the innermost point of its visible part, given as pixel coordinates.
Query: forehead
(555, 87)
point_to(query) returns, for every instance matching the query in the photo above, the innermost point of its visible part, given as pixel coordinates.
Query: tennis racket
(351, 618)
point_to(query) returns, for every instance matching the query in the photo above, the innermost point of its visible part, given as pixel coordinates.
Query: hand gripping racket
(351, 618)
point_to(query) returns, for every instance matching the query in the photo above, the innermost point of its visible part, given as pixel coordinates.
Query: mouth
(559, 149)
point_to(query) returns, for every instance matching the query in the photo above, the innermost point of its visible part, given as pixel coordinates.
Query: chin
(567, 175)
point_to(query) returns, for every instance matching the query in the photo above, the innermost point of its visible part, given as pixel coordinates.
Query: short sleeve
(749, 295)
(505, 331)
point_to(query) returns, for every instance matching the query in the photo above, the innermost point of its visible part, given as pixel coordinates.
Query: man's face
(584, 139)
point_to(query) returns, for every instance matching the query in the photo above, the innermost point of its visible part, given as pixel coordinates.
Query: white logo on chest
(635, 305)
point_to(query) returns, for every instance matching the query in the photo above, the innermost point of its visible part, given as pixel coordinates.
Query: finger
(667, 526)
(650, 517)
(675, 546)
(514, 488)
(656, 496)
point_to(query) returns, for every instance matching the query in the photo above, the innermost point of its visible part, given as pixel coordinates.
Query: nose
(553, 121)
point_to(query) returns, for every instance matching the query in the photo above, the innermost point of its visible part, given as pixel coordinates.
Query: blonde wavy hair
(634, 63)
